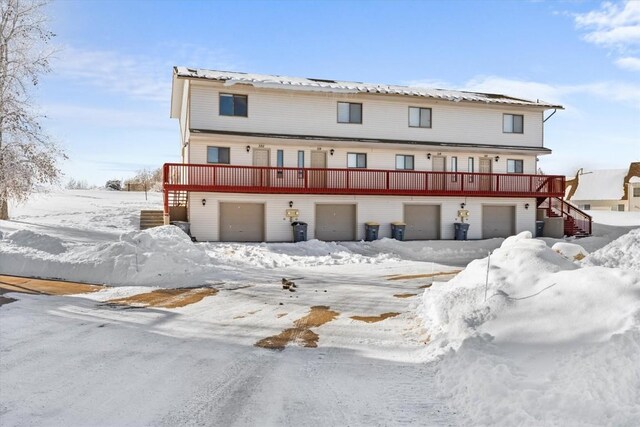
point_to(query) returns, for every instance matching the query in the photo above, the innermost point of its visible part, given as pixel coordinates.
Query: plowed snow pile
(554, 343)
(161, 256)
(621, 253)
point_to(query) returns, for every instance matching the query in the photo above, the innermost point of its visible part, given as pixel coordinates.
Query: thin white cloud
(627, 93)
(142, 77)
(613, 25)
(110, 117)
(629, 63)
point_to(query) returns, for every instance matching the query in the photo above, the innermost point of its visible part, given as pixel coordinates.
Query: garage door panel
(423, 222)
(498, 221)
(241, 222)
(335, 222)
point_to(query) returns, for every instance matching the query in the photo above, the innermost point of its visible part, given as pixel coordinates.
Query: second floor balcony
(275, 180)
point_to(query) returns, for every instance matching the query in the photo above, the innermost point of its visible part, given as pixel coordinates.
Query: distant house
(260, 151)
(611, 189)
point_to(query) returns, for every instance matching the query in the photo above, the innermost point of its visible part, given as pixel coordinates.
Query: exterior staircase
(576, 222)
(151, 218)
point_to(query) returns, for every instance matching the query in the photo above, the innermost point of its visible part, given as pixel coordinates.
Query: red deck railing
(274, 180)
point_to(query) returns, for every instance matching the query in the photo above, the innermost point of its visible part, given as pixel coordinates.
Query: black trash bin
(182, 225)
(397, 230)
(461, 230)
(539, 228)
(371, 231)
(299, 231)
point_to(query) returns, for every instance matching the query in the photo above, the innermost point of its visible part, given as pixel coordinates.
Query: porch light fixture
(462, 205)
(248, 148)
(429, 156)
(291, 203)
(526, 205)
(204, 202)
(497, 158)
(332, 151)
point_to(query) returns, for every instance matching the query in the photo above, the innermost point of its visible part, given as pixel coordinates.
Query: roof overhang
(375, 143)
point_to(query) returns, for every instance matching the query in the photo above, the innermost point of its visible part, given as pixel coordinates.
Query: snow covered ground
(392, 348)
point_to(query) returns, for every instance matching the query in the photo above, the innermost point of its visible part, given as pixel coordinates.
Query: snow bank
(534, 295)
(552, 343)
(623, 252)
(38, 241)
(303, 254)
(161, 256)
(570, 251)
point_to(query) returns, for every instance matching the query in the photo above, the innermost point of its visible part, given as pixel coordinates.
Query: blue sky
(107, 99)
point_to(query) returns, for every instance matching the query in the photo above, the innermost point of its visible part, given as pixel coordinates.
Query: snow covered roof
(601, 185)
(323, 85)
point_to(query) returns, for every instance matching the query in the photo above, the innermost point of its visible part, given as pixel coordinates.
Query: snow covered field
(556, 341)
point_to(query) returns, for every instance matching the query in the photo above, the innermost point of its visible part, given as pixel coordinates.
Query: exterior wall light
(429, 156)
(332, 151)
(248, 148)
(291, 203)
(204, 202)
(497, 158)
(526, 205)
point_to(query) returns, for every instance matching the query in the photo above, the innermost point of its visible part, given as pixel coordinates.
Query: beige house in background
(612, 189)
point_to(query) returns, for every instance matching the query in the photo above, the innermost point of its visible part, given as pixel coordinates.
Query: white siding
(384, 117)
(377, 158)
(205, 225)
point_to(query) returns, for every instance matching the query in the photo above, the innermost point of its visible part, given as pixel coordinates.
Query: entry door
(438, 164)
(261, 176)
(318, 179)
(485, 167)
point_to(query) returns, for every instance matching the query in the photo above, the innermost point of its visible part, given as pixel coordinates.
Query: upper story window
(636, 191)
(404, 162)
(419, 117)
(513, 123)
(349, 112)
(356, 160)
(233, 105)
(218, 155)
(515, 166)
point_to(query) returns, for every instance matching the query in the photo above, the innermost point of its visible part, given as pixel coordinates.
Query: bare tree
(28, 156)
(144, 177)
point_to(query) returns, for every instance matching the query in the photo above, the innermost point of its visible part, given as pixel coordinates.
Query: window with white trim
(513, 123)
(515, 166)
(454, 168)
(300, 163)
(356, 160)
(349, 112)
(218, 155)
(419, 117)
(404, 162)
(233, 105)
(280, 162)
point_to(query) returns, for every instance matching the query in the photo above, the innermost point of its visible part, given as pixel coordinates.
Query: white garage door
(335, 222)
(423, 222)
(498, 221)
(241, 222)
